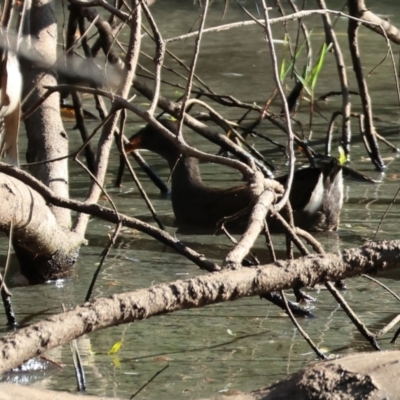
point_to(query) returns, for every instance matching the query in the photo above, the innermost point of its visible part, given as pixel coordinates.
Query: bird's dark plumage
(316, 195)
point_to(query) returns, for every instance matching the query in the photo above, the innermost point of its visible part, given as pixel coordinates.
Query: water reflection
(249, 343)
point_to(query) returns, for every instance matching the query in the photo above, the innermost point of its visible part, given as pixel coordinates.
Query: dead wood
(34, 225)
(36, 232)
(214, 288)
(47, 138)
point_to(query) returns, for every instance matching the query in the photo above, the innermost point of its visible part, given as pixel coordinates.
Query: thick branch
(373, 22)
(35, 227)
(106, 138)
(46, 136)
(46, 250)
(223, 286)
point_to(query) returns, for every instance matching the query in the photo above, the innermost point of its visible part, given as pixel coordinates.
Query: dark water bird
(316, 195)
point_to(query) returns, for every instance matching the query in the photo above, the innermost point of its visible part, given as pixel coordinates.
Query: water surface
(249, 343)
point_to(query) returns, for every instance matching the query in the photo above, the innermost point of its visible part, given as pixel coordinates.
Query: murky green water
(249, 343)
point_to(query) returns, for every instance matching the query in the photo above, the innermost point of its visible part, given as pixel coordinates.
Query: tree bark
(53, 253)
(213, 288)
(377, 24)
(107, 135)
(47, 138)
(36, 232)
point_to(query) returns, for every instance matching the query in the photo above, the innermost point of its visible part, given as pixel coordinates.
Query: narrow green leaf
(291, 65)
(303, 81)
(318, 67)
(283, 64)
(342, 156)
(116, 348)
(282, 70)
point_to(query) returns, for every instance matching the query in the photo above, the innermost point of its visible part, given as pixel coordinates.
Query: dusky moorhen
(316, 195)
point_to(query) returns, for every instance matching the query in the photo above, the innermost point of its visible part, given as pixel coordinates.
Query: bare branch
(228, 285)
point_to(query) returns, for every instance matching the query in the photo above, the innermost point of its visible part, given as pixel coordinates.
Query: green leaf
(342, 156)
(282, 73)
(303, 81)
(318, 67)
(116, 348)
(299, 51)
(283, 64)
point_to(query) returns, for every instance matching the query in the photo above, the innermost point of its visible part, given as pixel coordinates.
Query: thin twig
(133, 174)
(158, 59)
(303, 333)
(149, 381)
(290, 136)
(5, 293)
(192, 69)
(382, 285)
(78, 366)
(104, 255)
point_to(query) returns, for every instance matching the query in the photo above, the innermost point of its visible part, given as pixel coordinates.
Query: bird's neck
(185, 172)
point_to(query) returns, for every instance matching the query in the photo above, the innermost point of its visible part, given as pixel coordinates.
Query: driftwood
(214, 288)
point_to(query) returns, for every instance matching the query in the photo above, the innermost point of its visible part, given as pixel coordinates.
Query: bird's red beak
(134, 144)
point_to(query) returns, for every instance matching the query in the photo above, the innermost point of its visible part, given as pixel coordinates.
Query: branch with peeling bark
(32, 219)
(223, 286)
(36, 232)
